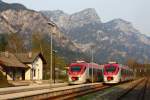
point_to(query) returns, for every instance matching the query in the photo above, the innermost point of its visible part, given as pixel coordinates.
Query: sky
(135, 11)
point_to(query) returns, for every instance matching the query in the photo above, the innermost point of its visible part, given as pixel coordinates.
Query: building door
(23, 74)
(14, 74)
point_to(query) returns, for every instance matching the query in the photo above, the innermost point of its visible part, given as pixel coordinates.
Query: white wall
(38, 66)
(28, 73)
(8, 76)
(4, 73)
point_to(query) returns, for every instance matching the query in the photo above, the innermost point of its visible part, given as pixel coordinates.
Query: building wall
(13, 73)
(28, 73)
(35, 72)
(9, 77)
(38, 69)
(5, 74)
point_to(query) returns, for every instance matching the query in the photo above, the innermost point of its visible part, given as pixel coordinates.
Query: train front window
(75, 68)
(110, 68)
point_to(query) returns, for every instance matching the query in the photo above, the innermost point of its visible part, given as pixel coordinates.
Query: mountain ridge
(27, 23)
(14, 6)
(115, 39)
(80, 32)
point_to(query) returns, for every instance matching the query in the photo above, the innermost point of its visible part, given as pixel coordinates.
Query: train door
(99, 75)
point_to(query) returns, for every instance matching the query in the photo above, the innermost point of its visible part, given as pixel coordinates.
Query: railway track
(60, 93)
(136, 92)
(69, 94)
(143, 91)
(11, 90)
(73, 95)
(72, 92)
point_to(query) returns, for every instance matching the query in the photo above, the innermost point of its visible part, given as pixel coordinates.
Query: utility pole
(54, 65)
(92, 66)
(51, 52)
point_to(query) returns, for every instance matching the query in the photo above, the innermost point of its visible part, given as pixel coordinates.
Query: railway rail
(74, 91)
(11, 90)
(111, 93)
(136, 92)
(55, 93)
(69, 94)
(72, 95)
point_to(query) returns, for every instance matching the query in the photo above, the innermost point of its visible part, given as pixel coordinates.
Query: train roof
(87, 64)
(112, 62)
(120, 65)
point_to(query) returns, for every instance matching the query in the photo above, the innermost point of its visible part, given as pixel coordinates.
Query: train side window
(94, 71)
(121, 71)
(90, 71)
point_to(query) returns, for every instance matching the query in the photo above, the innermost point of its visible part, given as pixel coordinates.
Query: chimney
(30, 54)
(7, 54)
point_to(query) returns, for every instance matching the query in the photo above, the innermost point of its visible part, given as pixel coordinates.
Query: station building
(22, 66)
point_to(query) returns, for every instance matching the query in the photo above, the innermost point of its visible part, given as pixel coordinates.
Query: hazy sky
(135, 11)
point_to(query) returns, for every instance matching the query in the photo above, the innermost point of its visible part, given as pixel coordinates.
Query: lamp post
(51, 56)
(92, 60)
(55, 51)
(57, 73)
(92, 64)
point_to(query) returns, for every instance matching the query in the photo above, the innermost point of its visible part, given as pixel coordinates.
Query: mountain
(114, 40)
(26, 23)
(75, 34)
(67, 22)
(14, 6)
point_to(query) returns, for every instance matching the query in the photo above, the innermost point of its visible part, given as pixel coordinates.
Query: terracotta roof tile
(29, 57)
(9, 60)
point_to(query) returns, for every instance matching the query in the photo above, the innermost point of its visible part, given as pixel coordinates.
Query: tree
(15, 43)
(41, 43)
(3, 41)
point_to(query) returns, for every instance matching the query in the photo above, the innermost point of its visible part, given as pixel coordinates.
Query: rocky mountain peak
(58, 16)
(13, 6)
(54, 13)
(78, 19)
(88, 15)
(121, 25)
(59, 12)
(1, 1)
(115, 39)
(120, 21)
(89, 11)
(26, 23)
(85, 29)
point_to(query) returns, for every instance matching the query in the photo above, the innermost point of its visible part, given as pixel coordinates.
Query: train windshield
(75, 68)
(110, 68)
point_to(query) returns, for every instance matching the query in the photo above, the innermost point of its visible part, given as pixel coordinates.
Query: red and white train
(115, 73)
(82, 72)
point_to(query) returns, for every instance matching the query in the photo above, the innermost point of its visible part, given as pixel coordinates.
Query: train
(80, 72)
(116, 73)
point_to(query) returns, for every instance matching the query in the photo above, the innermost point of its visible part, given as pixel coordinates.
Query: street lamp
(55, 51)
(92, 60)
(92, 64)
(51, 66)
(57, 72)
